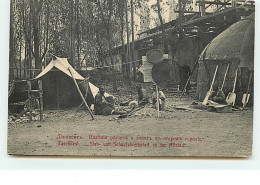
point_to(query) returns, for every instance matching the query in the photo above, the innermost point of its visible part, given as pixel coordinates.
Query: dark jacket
(101, 106)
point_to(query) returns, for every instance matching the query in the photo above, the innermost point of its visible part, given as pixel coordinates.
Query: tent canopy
(63, 65)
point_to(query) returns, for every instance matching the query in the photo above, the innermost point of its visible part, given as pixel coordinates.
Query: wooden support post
(157, 103)
(29, 96)
(82, 97)
(41, 101)
(202, 8)
(233, 3)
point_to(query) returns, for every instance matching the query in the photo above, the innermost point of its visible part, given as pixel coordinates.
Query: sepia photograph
(141, 78)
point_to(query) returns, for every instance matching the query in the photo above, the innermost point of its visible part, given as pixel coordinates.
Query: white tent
(63, 65)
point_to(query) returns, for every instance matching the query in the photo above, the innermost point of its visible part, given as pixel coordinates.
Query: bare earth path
(175, 133)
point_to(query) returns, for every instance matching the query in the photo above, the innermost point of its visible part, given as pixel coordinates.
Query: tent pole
(81, 103)
(79, 106)
(87, 82)
(81, 94)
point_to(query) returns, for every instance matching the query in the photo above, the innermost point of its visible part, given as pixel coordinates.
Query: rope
(19, 68)
(94, 68)
(117, 64)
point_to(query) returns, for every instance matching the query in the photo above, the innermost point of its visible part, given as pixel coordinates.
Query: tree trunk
(124, 57)
(71, 34)
(133, 38)
(25, 61)
(165, 46)
(36, 33)
(109, 40)
(20, 47)
(128, 71)
(11, 41)
(46, 36)
(78, 33)
(30, 41)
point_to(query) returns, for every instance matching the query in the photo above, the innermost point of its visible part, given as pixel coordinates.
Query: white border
(61, 163)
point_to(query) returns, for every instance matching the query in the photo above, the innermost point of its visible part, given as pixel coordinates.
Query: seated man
(102, 105)
(161, 98)
(217, 95)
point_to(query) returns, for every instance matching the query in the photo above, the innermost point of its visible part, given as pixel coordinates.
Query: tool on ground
(231, 97)
(130, 113)
(224, 77)
(184, 89)
(247, 95)
(211, 86)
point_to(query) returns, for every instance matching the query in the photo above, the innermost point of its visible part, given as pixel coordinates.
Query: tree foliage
(84, 31)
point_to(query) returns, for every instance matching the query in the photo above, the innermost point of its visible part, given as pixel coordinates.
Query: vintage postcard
(131, 78)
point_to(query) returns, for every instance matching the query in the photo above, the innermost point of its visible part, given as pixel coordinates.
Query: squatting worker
(102, 106)
(143, 98)
(161, 98)
(217, 95)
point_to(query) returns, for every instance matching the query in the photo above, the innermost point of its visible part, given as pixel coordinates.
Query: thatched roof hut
(234, 46)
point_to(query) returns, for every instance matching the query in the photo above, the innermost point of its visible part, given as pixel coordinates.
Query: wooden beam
(226, 3)
(217, 3)
(202, 8)
(191, 12)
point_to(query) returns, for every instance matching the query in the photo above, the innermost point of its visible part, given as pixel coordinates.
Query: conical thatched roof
(234, 46)
(235, 43)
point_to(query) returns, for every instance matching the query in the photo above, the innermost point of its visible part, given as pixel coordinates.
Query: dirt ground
(191, 132)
